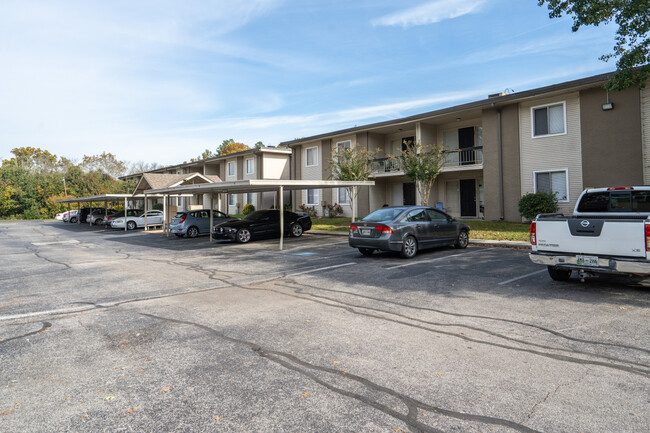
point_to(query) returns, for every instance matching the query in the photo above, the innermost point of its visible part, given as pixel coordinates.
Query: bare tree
(352, 164)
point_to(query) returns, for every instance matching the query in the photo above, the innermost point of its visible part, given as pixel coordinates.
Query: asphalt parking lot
(130, 331)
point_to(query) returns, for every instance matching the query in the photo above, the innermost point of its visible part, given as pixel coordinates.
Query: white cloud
(429, 13)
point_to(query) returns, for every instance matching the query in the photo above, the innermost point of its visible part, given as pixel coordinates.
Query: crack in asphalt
(474, 316)
(46, 326)
(293, 363)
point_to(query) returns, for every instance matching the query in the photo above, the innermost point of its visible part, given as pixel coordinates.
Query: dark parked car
(407, 229)
(262, 224)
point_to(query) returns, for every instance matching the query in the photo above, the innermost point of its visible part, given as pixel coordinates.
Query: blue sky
(160, 81)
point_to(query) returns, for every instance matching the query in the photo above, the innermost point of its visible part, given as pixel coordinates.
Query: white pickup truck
(609, 232)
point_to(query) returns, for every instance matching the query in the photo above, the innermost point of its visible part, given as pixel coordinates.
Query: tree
(106, 162)
(233, 148)
(632, 47)
(351, 164)
(33, 159)
(207, 153)
(422, 164)
(259, 145)
(142, 167)
(224, 144)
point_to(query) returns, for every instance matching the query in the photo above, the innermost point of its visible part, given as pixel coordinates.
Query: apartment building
(561, 138)
(265, 163)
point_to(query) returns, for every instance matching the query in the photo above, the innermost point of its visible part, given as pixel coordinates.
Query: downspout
(500, 155)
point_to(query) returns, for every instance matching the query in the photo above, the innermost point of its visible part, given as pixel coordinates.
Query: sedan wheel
(131, 225)
(296, 230)
(243, 236)
(463, 239)
(192, 232)
(366, 251)
(98, 221)
(73, 220)
(409, 247)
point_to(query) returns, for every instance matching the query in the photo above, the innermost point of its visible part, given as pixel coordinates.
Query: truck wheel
(559, 274)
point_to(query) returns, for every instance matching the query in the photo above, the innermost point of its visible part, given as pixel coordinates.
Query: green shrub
(158, 206)
(533, 204)
(32, 214)
(248, 209)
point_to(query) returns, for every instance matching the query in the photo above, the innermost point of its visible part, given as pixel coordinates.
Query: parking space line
(321, 269)
(522, 277)
(433, 260)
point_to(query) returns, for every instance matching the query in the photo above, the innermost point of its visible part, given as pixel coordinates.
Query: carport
(105, 198)
(259, 185)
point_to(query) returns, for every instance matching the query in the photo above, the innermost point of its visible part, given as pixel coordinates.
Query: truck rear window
(615, 201)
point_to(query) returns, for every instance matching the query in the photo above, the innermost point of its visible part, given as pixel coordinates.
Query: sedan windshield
(384, 214)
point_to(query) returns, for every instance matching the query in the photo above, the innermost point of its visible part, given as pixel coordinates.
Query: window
(548, 120)
(436, 216)
(231, 168)
(553, 181)
(250, 166)
(232, 200)
(344, 198)
(616, 201)
(312, 197)
(250, 198)
(417, 215)
(343, 145)
(312, 156)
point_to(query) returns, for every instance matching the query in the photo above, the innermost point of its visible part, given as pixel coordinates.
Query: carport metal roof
(262, 185)
(259, 185)
(108, 197)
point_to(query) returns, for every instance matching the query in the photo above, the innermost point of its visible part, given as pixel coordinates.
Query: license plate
(587, 260)
(365, 232)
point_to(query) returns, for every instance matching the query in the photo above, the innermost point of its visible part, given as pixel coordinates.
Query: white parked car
(154, 217)
(66, 216)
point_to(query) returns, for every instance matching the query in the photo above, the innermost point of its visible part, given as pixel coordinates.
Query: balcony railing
(460, 157)
(453, 158)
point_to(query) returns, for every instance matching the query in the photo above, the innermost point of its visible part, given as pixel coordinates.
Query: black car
(262, 224)
(407, 229)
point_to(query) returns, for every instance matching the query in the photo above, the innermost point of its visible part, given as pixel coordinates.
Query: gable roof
(165, 180)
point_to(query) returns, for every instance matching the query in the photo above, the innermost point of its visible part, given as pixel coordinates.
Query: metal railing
(385, 165)
(460, 157)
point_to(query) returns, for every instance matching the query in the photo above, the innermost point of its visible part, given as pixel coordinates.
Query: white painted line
(433, 260)
(43, 313)
(39, 244)
(321, 269)
(522, 277)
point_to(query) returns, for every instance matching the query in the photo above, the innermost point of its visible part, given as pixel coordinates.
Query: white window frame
(532, 119)
(344, 142)
(555, 170)
(232, 199)
(315, 164)
(234, 168)
(252, 160)
(316, 196)
(250, 195)
(338, 196)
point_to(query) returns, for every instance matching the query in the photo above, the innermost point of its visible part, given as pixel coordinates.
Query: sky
(161, 81)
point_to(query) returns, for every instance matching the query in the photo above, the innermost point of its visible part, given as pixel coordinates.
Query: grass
(489, 230)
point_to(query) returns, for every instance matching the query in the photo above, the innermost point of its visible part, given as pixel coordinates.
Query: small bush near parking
(532, 204)
(310, 210)
(248, 209)
(158, 206)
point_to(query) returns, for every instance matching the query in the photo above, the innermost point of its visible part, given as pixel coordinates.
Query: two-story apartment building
(560, 138)
(264, 163)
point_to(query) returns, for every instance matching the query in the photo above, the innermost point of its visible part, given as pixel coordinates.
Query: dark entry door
(468, 197)
(409, 194)
(466, 141)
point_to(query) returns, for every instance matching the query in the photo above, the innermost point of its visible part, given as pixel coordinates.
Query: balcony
(455, 159)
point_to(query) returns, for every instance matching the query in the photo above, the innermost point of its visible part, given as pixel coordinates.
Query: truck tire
(559, 274)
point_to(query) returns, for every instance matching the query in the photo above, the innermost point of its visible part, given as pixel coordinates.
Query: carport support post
(211, 214)
(126, 221)
(105, 211)
(145, 213)
(356, 202)
(78, 212)
(281, 207)
(166, 204)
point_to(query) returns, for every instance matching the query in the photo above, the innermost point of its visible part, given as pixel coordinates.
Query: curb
(487, 243)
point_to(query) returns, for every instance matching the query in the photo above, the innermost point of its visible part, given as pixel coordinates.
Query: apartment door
(408, 190)
(468, 198)
(466, 141)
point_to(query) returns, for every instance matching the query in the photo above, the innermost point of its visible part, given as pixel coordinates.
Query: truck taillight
(384, 229)
(533, 233)
(647, 237)
(620, 188)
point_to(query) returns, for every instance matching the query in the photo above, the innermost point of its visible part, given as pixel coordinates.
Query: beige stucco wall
(310, 173)
(275, 166)
(559, 152)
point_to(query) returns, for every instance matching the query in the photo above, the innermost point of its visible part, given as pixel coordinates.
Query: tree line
(34, 179)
